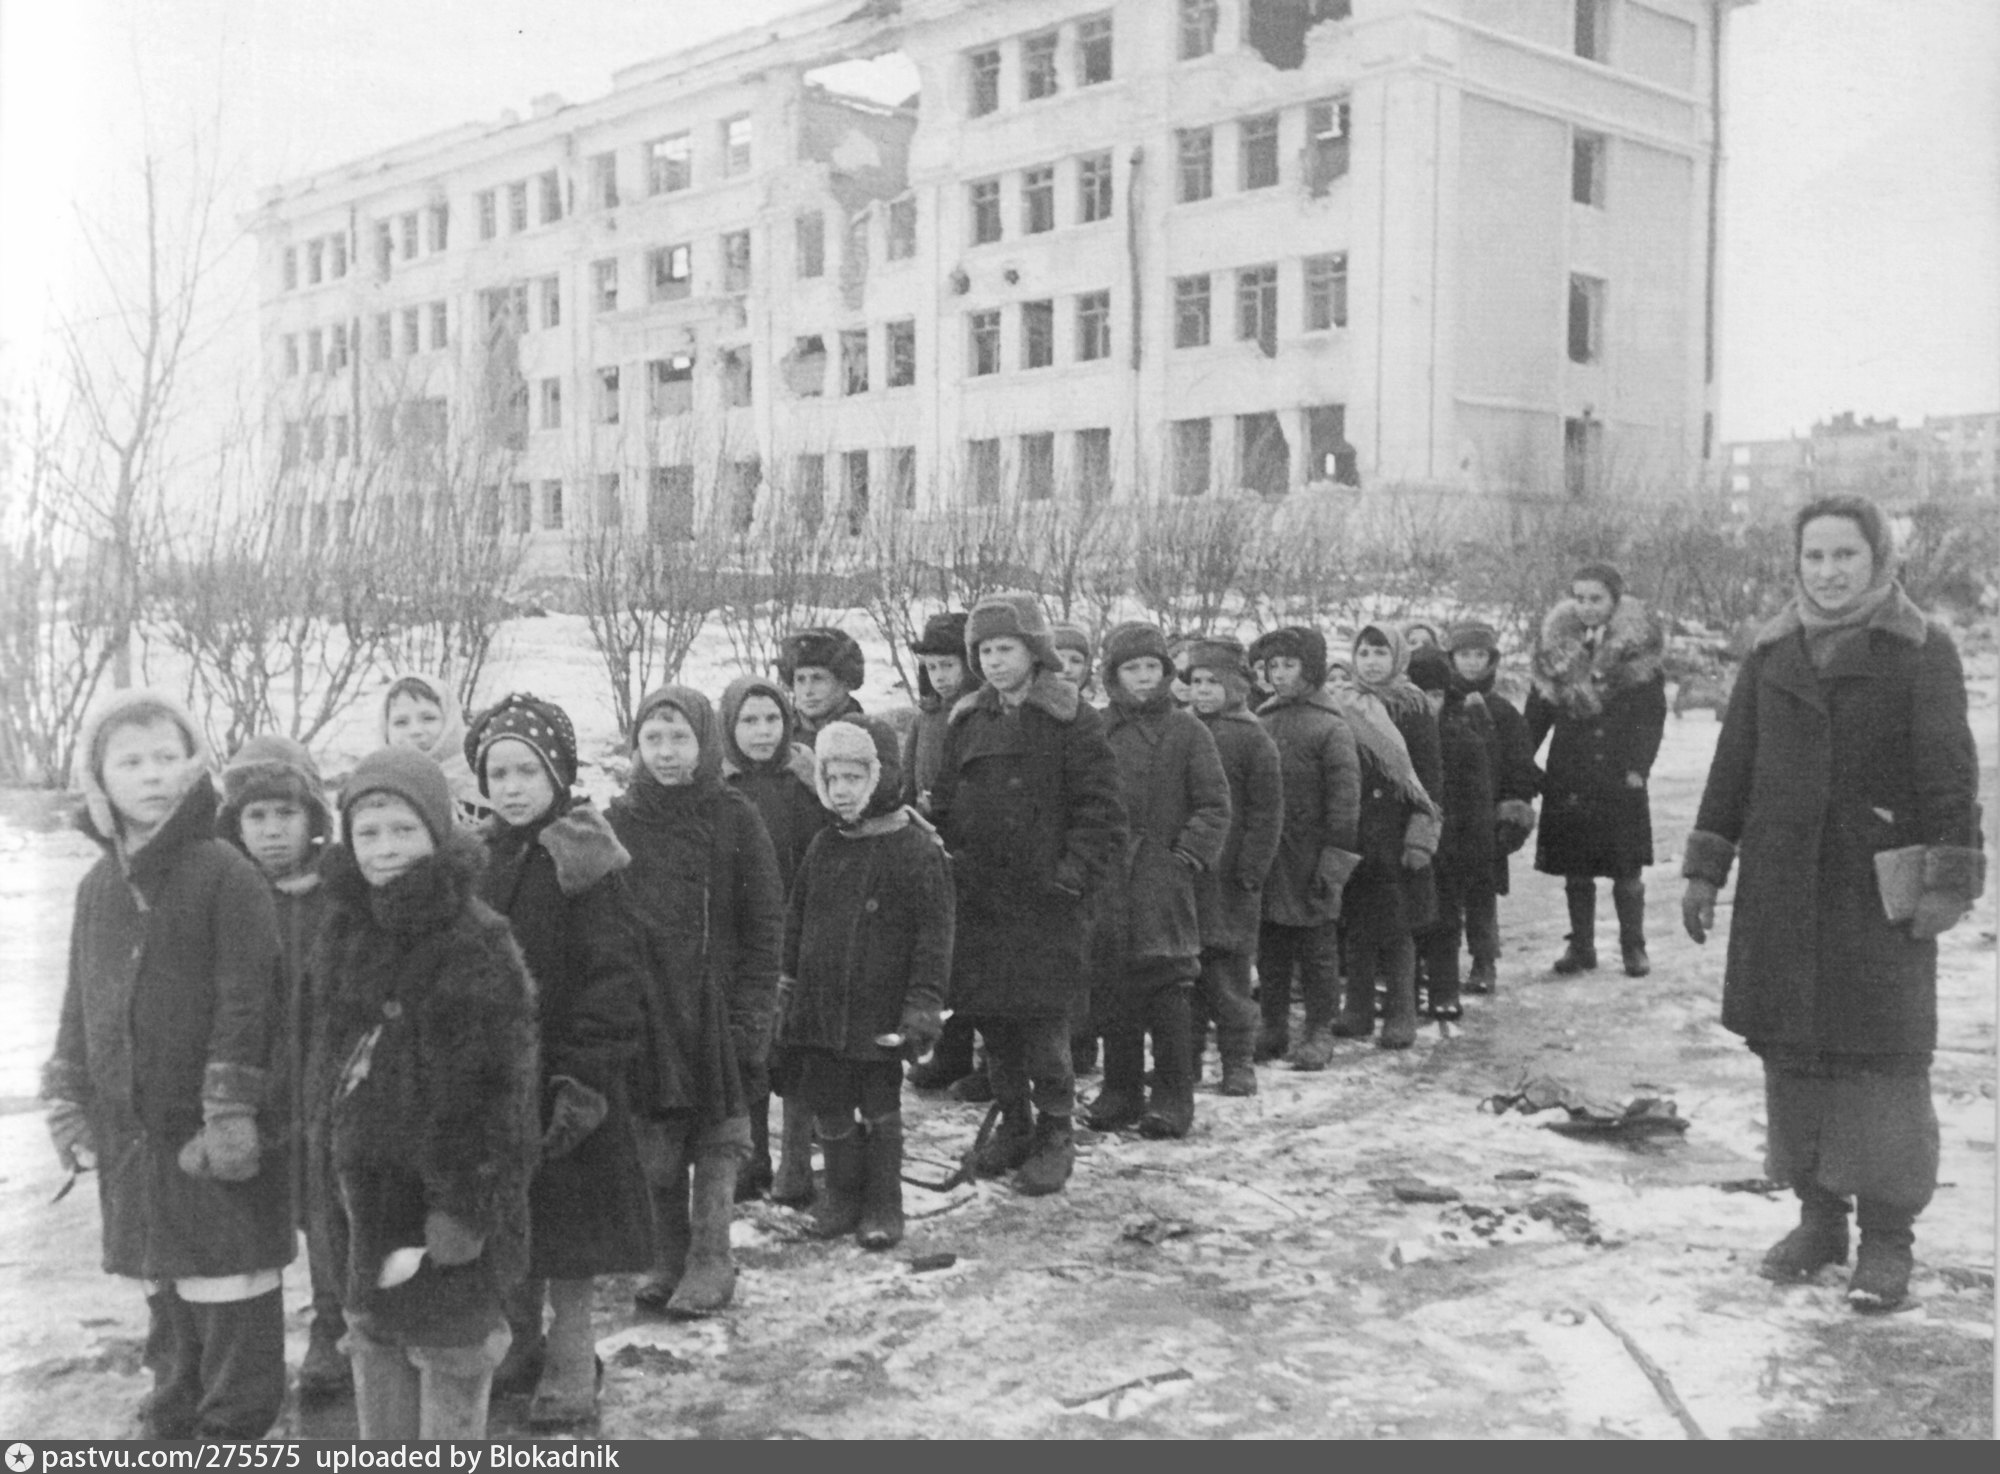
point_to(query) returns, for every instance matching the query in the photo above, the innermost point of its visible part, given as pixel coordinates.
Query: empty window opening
(440, 215)
(551, 404)
(740, 482)
(1326, 144)
(610, 501)
(901, 341)
(1329, 456)
(669, 164)
(551, 193)
(521, 508)
(854, 361)
(552, 506)
(1190, 470)
(670, 384)
(805, 366)
(1586, 169)
(1263, 455)
(670, 270)
(1586, 319)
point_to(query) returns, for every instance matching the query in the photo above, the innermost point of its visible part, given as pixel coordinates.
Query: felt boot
(521, 1367)
(1012, 1139)
(710, 1280)
(837, 1213)
(324, 1375)
(1050, 1160)
(670, 1218)
(1628, 897)
(792, 1184)
(1274, 1008)
(1581, 954)
(1170, 1109)
(882, 1183)
(566, 1396)
(1399, 1014)
(753, 1178)
(1883, 1263)
(452, 1392)
(388, 1390)
(1819, 1240)
(1122, 1099)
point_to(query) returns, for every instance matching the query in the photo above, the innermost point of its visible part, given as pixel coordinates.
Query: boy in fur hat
(274, 810)
(867, 956)
(1027, 801)
(1230, 895)
(1079, 666)
(1177, 808)
(166, 1072)
(1475, 662)
(823, 667)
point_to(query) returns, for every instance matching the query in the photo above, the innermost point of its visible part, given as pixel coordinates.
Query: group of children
(486, 1044)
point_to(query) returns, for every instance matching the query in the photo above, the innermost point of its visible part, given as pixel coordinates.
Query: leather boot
(1819, 1240)
(1122, 1099)
(1012, 1139)
(670, 1219)
(882, 1183)
(837, 1213)
(387, 1389)
(567, 1393)
(1050, 1160)
(1399, 1014)
(1581, 955)
(521, 1367)
(1170, 1110)
(792, 1186)
(324, 1375)
(1883, 1263)
(1629, 899)
(710, 1280)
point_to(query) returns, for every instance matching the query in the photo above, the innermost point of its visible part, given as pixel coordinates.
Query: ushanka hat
(823, 648)
(944, 634)
(1297, 642)
(1473, 635)
(267, 769)
(1134, 639)
(1017, 615)
(541, 725)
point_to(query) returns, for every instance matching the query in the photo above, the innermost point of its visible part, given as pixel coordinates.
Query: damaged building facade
(1145, 247)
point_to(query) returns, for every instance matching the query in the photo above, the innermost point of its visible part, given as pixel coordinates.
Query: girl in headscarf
(422, 713)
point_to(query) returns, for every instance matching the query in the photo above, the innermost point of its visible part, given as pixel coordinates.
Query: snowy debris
(1128, 1398)
(1644, 1115)
(1146, 1229)
(1416, 1190)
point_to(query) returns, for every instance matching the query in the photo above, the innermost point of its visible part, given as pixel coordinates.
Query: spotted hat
(542, 725)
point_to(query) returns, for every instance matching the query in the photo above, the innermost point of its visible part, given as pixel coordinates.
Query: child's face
(1006, 663)
(146, 770)
(760, 729)
(669, 748)
(1339, 677)
(1141, 677)
(1206, 691)
(1076, 667)
(387, 837)
(415, 722)
(1286, 674)
(848, 788)
(518, 782)
(1419, 636)
(1178, 686)
(1472, 663)
(816, 693)
(947, 673)
(1593, 602)
(277, 833)
(1373, 663)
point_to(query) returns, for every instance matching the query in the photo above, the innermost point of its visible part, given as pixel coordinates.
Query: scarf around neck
(1827, 633)
(1372, 709)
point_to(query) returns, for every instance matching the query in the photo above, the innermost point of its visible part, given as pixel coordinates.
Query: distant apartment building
(1965, 454)
(1894, 463)
(1135, 247)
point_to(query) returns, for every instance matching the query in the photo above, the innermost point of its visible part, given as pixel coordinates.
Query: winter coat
(923, 751)
(868, 937)
(1516, 779)
(1608, 710)
(425, 1089)
(1229, 897)
(1176, 799)
(1468, 765)
(781, 789)
(559, 884)
(807, 733)
(175, 995)
(1319, 769)
(1027, 802)
(1814, 773)
(1391, 822)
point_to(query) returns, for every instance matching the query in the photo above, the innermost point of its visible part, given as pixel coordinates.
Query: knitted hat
(1135, 639)
(871, 743)
(1430, 668)
(410, 776)
(944, 634)
(1602, 573)
(823, 648)
(1014, 614)
(272, 769)
(1473, 636)
(1298, 642)
(135, 706)
(542, 725)
(1066, 636)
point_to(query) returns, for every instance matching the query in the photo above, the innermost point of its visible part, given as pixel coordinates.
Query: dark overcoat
(1517, 781)
(1815, 771)
(781, 789)
(1391, 822)
(1176, 799)
(1320, 772)
(1469, 761)
(1230, 897)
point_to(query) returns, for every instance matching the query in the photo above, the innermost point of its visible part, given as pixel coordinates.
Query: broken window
(1276, 29)
(900, 339)
(610, 500)
(1197, 164)
(1263, 455)
(1090, 464)
(670, 503)
(291, 268)
(315, 262)
(1586, 169)
(489, 214)
(603, 181)
(607, 395)
(413, 325)
(805, 366)
(520, 508)
(736, 385)
(982, 69)
(1591, 30)
(517, 206)
(1257, 307)
(1582, 443)
(740, 480)
(336, 248)
(984, 197)
(1038, 200)
(809, 243)
(1093, 50)
(1326, 144)
(854, 361)
(809, 489)
(736, 145)
(551, 295)
(854, 490)
(1257, 166)
(1191, 312)
(1038, 334)
(1036, 473)
(1329, 457)
(551, 398)
(1197, 28)
(604, 284)
(1586, 319)
(1190, 470)
(1326, 291)
(669, 164)
(903, 477)
(440, 218)
(982, 467)
(407, 225)
(736, 261)
(440, 326)
(1093, 183)
(1093, 326)
(983, 336)
(902, 228)
(1038, 66)
(670, 270)
(670, 385)
(552, 506)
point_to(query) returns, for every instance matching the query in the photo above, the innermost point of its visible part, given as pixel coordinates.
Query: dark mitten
(575, 1110)
(921, 1029)
(69, 1129)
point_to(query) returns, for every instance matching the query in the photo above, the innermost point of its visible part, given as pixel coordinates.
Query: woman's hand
(1698, 908)
(1936, 914)
(1635, 780)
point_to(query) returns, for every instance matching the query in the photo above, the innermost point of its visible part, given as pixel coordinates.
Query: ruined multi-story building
(1124, 247)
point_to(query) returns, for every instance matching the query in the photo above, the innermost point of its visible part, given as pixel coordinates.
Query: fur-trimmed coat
(1607, 706)
(425, 1089)
(559, 884)
(1230, 896)
(1027, 802)
(1319, 766)
(174, 995)
(1815, 772)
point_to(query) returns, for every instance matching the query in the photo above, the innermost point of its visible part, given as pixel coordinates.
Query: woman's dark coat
(1390, 822)
(559, 885)
(425, 1088)
(1027, 802)
(1814, 773)
(175, 994)
(1608, 709)
(1320, 771)
(1229, 897)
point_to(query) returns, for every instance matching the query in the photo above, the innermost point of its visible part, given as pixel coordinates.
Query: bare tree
(646, 598)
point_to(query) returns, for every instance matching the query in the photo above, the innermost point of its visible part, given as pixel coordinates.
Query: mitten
(1514, 821)
(225, 1149)
(449, 1241)
(1416, 857)
(1936, 914)
(920, 1029)
(69, 1129)
(1698, 908)
(575, 1110)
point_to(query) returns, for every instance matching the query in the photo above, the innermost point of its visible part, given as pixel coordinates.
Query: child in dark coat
(1230, 896)
(704, 883)
(168, 1068)
(1468, 752)
(274, 810)
(424, 1085)
(1176, 801)
(555, 872)
(767, 764)
(1475, 662)
(867, 957)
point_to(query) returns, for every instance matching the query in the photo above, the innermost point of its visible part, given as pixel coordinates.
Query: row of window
(1046, 65)
(1258, 163)
(1038, 199)
(667, 162)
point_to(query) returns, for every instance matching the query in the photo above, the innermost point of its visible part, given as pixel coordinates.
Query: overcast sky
(1861, 263)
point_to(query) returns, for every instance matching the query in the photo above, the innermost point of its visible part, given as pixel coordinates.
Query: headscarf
(448, 752)
(1371, 709)
(1826, 634)
(136, 706)
(734, 695)
(695, 709)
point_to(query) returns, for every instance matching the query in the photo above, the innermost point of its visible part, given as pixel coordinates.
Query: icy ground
(1266, 1277)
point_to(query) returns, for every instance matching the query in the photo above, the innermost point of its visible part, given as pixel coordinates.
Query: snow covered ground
(1269, 1277)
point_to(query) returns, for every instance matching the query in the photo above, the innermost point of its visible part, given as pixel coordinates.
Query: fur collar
(1570, 675)
(425, 899)
(583, 847)
(1899, 617)
(1048, 691)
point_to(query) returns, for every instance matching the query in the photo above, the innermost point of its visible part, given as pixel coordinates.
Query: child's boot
(324, 1375)
(521, 1368)
(753, 1178)
(1819, 1240)
(1399, 1017)
(1883, 1263)
(710, 1280)
(1581, 954)
(837, 1211)
(670, 1218)
(1170, 1112)
(1274, 1007)
(1051, 1157)
(567, 1393)
(387, 1389)
(793, 1184)
(882, 1183)
(1628, 897)
(1008, 1144)
(1121, 1101)
(454, 1385)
